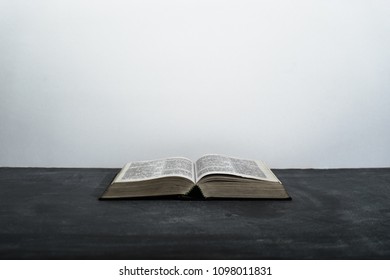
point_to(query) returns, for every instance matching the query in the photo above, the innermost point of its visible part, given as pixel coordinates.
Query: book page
(153, 169)
(218, 164)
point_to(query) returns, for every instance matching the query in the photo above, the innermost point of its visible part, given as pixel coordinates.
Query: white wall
(99, 83)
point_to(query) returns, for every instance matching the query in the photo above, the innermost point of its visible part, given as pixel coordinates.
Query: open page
(218, 164)
(153, 169)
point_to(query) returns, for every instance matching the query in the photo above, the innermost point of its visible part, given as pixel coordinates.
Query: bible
(216, 176)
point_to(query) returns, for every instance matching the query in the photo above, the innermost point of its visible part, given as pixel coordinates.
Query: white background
(100, 83)
(280, 269)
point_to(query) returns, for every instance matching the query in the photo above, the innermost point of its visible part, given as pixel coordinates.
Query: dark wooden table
(54, 213)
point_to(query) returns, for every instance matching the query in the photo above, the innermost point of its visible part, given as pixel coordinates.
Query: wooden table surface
(54, 213)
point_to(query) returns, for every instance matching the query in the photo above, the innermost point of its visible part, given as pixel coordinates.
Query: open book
(216, 176)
